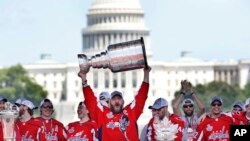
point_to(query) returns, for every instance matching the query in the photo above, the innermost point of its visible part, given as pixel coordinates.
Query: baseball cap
(247, 102)
(240, 104)
(159, 103)
(3, 99)
(187, 101)
(19, 101)
(46, 100)
(116, 93)
(216, 98)
(104, 96)
(28, 104)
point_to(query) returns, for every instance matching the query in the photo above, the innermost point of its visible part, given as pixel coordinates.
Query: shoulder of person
(57, 122)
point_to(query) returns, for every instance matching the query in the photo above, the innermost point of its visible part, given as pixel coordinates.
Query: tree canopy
(15, 83)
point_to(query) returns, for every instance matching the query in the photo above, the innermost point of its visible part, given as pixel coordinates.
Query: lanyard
(50, 131)
(190, 122)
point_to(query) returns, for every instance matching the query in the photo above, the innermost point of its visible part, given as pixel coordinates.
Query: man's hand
(82, 75)
(184, 86)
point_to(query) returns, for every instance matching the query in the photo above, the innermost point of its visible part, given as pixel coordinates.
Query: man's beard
(189, 114)
(112, 107)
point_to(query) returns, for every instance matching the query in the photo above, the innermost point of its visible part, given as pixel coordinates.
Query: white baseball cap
(19, 101)
(104, 96)
(187, 101)
(159, 103)
(3, 99)
(28, 104)
(46, 100)
(247, 102)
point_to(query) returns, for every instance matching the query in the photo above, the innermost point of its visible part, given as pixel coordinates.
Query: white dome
(100, 4)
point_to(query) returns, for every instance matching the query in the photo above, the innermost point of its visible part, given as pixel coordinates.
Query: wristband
(84, 83)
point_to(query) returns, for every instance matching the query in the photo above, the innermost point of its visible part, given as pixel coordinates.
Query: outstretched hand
(82, 74)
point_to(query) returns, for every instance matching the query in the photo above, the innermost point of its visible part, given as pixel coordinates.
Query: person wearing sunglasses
(215, 125)
(50, 129)
(189, 116)
(242, 117)
(160, 126)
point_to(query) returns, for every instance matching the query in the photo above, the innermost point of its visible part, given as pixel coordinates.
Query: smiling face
(188, 109)
(82, 111)
(216, 107)
(116, 104)
(46, 109)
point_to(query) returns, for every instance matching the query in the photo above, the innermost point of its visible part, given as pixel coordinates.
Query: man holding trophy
(117, 123)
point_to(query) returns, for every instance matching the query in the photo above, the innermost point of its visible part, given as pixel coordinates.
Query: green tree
(15, 83)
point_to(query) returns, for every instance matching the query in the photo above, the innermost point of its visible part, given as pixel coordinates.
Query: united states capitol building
(114, 21)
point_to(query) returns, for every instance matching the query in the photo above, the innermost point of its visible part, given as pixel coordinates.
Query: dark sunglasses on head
(218, 104)
(186, 106)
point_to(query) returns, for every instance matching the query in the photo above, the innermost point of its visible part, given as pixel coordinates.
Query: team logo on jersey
(49, 137)
(71, 130)
(112, 125)
(110, 115)
(124, 122)
(209, 127)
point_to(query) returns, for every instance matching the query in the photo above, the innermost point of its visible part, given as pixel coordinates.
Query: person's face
(116, 104)
(248, 109)
(237, 109)
(162, 112)
(47, 109)
(2, 105)
(22, 109)
(188, 109)
(216, 107)
(82, 111)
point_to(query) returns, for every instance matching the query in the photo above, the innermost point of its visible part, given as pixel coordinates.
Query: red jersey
(28, 130)
(86, 131)
(117, 127)
(1, 131)
(51, 130)
(214, 129)
(175, 119)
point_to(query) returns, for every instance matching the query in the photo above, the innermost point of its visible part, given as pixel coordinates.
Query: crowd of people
(106, 118)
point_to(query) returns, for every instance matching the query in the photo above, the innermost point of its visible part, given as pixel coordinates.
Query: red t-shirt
(82, 131)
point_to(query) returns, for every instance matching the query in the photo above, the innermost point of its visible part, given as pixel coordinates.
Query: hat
(187, 101)
(45, 100)
(216, 98)
(104, 96)
(240, 104)
(159, 103)
(116, 93)
(28, 104)
(3, 99)
(19, 101)
(247, 102)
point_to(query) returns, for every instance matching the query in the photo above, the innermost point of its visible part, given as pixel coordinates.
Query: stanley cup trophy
(7, 118)
(118, 57)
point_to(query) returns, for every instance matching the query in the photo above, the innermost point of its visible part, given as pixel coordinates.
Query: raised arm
(90, 98)
(177, 102)
(142, 95)
(201, 106)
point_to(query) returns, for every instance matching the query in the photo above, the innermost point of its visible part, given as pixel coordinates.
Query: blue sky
(210, 29)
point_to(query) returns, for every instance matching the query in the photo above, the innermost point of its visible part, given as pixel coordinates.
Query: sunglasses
(216, 104)
(47, 107)
(186, 106)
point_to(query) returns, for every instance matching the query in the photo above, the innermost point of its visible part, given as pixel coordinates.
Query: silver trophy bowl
(118, 57)
(7, 118)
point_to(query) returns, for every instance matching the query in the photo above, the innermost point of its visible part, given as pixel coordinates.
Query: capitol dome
(131, 4)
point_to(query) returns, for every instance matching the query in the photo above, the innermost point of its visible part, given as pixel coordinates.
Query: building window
(76, 83)
(106, 79)
(176, 82)
(123, 79)
(45, 84)
(54, 84)
(77, 94)
(95, 76)
(153, 92)
(169, 93)
(134, 79)
(54, 95)
(115, 80)
(169, 83)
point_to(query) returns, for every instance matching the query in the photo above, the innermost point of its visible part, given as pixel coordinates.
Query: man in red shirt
(85, 129)
(164, 126)
(51, 129)
(117, 123)
(243, 117)
(2, 107)
(215, 125)
(26, 124)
